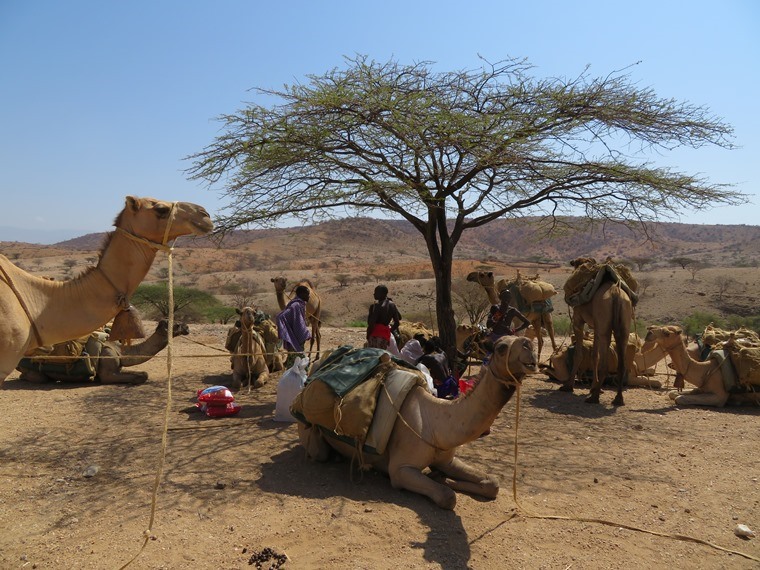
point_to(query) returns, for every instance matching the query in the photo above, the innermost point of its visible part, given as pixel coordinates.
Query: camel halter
(153, 244)
(510, 380)
(122, 301)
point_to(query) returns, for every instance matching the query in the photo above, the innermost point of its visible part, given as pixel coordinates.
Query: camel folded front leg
(463, 477)
(412, 479)
(703, 399)
(137, 377)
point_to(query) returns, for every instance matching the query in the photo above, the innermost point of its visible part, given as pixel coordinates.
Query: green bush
(190, 304)
(358, 324)
(562, 325)
(696, 322)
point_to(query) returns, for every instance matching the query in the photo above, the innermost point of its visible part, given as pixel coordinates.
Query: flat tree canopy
(449, 151)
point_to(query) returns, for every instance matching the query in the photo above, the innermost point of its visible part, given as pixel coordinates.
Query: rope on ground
(527, 513)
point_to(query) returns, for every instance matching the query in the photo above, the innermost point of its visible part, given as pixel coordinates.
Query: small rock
(596, 480)
(220, 485)
(367, 510)
(91, 471)
(744, 531)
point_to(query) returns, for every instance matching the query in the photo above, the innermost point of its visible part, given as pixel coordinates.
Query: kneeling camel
(428, 431)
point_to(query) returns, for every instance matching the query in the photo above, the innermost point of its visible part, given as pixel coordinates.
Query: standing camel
(538, 321)
(428, 430)
(609, 313)
(313, 307)
(39, 312)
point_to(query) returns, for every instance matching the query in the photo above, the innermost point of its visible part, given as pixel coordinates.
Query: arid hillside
(346, 258)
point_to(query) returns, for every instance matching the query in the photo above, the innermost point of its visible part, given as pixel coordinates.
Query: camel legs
(535, 322)
(412, 479)
(578, 324)
(548, 324)
(601, 342)
(316, 337)
(117, 377)
(697, 397)
(462, 477)
(34, 376)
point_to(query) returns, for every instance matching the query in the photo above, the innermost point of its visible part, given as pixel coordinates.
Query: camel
(609, 313)
(313, 308)
(538, 321)
(39, 312)
(428, 431)
(707, 376)
(274, 354)
(248, 363)
(469, 341)
(639, 362)
(112, 357)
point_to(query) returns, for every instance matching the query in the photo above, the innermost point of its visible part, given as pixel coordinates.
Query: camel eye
(162, 211)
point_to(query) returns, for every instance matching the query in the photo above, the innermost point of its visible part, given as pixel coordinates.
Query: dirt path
(235, 486)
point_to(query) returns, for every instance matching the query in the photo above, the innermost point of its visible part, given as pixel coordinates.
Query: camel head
(247, 317)
(667, 336)
(179, 329)
(463, 332)
(484, 278)
(148, 218)
(577, 262)
(513, 356)
(279, 283)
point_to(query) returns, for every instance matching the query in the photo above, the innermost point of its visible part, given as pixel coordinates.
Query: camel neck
(475, 412)
(689, 367)
(124, 264)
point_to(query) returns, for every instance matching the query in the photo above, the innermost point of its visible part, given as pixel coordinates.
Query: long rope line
(527, 513)
(167, 409)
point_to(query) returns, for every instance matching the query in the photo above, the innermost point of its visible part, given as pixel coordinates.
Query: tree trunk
(441, 249)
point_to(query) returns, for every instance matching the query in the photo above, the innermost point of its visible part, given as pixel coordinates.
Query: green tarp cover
(348, 366)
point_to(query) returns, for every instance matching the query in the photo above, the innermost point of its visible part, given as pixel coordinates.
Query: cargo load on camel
(355, 395)
(742, 348)
(589, 276)
(529, 294)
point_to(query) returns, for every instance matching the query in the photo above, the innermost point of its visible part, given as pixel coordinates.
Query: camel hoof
(618, 401)
(565, 388)
(592, 399)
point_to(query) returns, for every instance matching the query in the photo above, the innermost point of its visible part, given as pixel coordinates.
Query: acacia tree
(450, 151)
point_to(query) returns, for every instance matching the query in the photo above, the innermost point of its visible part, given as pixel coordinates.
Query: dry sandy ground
(233, 487)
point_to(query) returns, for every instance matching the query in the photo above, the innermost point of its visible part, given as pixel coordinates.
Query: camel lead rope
(167, 409)
(23, 305)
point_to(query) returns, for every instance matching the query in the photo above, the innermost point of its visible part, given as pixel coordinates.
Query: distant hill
(502, 240)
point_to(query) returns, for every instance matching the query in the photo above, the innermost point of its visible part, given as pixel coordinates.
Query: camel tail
(620, 330)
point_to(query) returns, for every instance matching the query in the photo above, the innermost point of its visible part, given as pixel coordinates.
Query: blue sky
(101, 99)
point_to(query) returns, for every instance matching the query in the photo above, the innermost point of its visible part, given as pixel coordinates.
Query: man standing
(501, 317)
(291, 322)
(383, 319)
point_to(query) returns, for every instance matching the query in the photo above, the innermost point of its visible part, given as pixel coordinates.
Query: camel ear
(133, 203)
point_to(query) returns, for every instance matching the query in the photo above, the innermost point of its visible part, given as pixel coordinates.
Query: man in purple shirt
(291, 322)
